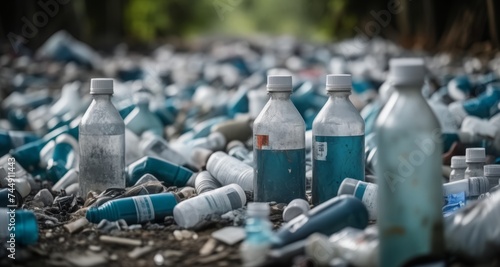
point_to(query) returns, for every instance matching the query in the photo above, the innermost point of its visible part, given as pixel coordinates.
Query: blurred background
(419, 24)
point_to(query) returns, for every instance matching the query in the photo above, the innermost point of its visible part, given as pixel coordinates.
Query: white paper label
(144, 208)
(321, 150)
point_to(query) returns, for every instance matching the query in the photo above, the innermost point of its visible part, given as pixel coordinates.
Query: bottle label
(334, 159)
(453, 202)
(262, 141)
(367, 193)
(144, 208)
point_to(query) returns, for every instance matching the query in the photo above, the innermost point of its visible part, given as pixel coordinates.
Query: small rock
(139, 252)
(195, 236)
(158, 259)
(209, 247)
(61, 239)
(48, 235)
(43, 198)
(186, 234)
(229, 235)
(113, 257)
(94, 248)
(219, 248)
(172, 254)
(178, 235)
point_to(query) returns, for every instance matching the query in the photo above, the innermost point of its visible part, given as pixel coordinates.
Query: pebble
(43, 198)
(209, 247)
(139, 252)
(113, 257)
(158, 259)
(95, 248)
(61, 239)
(186, 234)
(178, 235)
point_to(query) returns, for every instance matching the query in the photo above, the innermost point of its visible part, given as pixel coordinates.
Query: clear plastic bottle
(409, 170)
(258, 235)
(279, 146)
(492, 172)
(141, 119)
(192, 211)
(458, 167)
(338, 141)
(475, 158)
(102, 142)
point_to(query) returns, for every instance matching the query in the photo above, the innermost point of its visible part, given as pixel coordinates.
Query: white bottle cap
(338, 82)
(348, 187)
(258, 209)
(492, 170)
(101, 86)
(475, 155)
(295, 208)
(406, 71)
(458, 162)
(279, 83)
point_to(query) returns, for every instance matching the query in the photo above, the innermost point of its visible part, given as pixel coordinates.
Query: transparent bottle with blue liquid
(279, 146)
(338, 141)
(409, 172)
(259, 235)
(102, 142)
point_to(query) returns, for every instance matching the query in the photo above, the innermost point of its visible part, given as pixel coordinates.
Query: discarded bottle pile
(241, 130)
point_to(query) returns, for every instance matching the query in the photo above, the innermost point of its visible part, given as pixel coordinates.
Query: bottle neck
(409, 89)
(101, 98)
(475, 165)
(279, 95)
(339, 94)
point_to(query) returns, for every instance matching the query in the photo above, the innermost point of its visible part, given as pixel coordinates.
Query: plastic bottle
(13, 139)
(475, 159)
(205, 182)
(25, 230)
(358, 247)
(68, 179)
(338, 141)
(228, 170)
(167, 172)
(327, 218)
(458, 167)
(136, 209)
(155, 146)
(366, 192)
(492, 173)
(214, 141)
(61, 155)
(192, 211)
(237, 149)
(141, 119)
(259, 234)
(102, 142)
(483, 106)
(457, 194)
(409, 164)
(279, 146)
(295, 208)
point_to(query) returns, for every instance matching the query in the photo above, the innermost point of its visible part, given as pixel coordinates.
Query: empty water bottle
(228, 170)
(409, 167)
(475, 159)
(195, 210)
(259, 235)
(338, 141)
(279, 146)
(458, 167)
(102, 142)
(18, 227)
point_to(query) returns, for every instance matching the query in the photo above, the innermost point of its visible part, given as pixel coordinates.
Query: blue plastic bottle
(279, 146)
(13, 139)
(62, 154)
(137, 209)
(338, 141)
(167, 172)
(18, 226)
(141, 119)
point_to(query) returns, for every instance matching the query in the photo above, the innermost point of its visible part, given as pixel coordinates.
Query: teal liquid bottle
(13, 139)
(167, 172)
(137, 209)
(338, 141)
(62, 154)
(327, 218)
(279, 146)
(18, 227)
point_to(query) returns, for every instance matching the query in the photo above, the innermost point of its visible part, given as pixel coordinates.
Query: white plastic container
(492, 172)
(366, 192)
(458, 167)
(475, 159)
(205, 182)
(192, 211)
(228, 170)
(295, 208)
